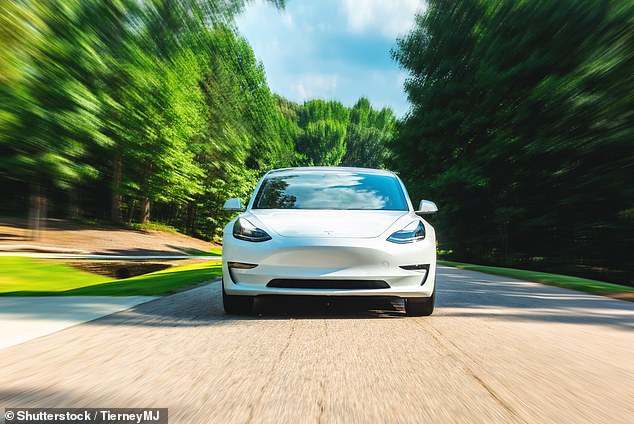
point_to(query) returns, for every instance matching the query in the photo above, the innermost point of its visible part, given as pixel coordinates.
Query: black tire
(236, 305)
(420, 306)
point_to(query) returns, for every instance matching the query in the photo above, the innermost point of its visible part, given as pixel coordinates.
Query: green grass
(565, 281)
(153, 226)
(30, 277)
(215, 251)
(26, 274)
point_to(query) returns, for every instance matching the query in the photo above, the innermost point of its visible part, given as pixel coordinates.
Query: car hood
(327, 223)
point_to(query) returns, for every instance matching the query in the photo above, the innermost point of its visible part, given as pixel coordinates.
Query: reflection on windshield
(331, 191)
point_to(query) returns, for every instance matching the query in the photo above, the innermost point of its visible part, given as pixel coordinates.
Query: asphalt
(495, 351)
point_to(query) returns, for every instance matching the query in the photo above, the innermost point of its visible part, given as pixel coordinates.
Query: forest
(136, 111)
(520, 128)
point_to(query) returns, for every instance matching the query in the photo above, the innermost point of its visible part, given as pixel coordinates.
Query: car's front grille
(289, 283)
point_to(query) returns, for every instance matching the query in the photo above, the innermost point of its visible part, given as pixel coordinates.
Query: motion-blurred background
(521, 126)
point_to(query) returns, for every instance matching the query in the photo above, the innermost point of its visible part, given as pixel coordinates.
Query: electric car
(329, 231)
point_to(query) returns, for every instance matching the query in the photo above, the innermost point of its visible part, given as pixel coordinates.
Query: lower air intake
(327, 284)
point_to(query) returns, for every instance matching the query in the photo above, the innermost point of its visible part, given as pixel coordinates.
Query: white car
(329, 231)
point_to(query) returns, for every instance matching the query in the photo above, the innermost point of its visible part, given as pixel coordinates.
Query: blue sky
(333, 49)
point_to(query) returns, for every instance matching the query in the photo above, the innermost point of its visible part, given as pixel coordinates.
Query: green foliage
(520, 129)
(321, 139)
(368, 134)
(322, 142)
(327, 133)
(155, 109)
(48, 115)
(242, 137)
(158, 137)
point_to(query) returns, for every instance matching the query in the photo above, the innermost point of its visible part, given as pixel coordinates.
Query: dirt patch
(622, 296)
(101, 239)
(119, 270)
(126, 269)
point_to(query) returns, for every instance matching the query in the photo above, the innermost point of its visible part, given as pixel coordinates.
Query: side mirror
(426, 207)
(234, 205)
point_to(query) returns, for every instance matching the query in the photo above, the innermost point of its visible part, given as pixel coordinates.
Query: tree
(323, 131)
(513, 129)
(367, 135)
(53, 113)
(155, 105)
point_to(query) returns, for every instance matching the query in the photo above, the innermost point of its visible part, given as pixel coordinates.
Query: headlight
(414, 231)
(244, 230)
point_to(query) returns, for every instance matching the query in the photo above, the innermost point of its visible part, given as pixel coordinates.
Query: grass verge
(565, 281)
(29, 277)
(153, 226)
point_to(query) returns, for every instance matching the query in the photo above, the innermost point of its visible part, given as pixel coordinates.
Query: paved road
(496, 351)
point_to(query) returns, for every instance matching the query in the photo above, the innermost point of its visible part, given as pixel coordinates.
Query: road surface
(496, 350)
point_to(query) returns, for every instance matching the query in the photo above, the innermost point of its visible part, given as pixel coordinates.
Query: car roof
(330, 169)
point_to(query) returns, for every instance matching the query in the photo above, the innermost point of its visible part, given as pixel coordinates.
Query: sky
(332, 49)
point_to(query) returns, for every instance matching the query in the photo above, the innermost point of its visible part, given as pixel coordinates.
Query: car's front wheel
(236, 305)
(420, 306)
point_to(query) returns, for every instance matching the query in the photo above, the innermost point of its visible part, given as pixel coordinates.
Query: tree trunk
(506, 244)
(131, 211)
(117, 167)
(145, 211)
(37, 211)
(190, 217)
(73, 204)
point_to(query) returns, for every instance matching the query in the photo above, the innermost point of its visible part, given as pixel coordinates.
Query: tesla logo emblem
(329, 232)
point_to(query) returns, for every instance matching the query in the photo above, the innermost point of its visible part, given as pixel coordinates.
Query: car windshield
(331, 190)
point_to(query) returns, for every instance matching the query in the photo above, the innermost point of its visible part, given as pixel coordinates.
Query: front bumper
(330, 260)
